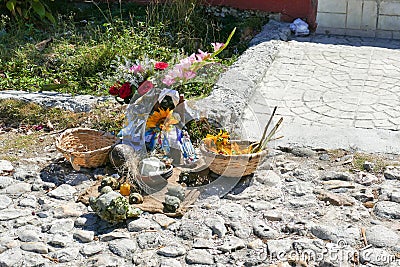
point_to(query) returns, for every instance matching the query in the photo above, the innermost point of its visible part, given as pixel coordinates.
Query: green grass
(87, 38)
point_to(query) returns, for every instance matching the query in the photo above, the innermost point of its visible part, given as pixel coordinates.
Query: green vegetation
(74, 55)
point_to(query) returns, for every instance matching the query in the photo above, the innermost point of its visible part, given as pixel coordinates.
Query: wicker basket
(233, 165)
(86, 147)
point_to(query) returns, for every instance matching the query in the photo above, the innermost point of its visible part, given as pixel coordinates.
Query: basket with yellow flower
(236, 158)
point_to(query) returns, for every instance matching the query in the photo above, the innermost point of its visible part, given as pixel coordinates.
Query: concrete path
(333, 92)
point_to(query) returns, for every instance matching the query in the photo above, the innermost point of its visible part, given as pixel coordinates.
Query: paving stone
(199, 256)
(231, 243)
(387, 209)
(64, 192)
(172, 250)
(217, 225)
(267, 177)
(61, 226)
(83, 236)
(262, 230)
(203, 243)
(114, 235)
(5, 201)
(142, 224)
(122, 247)
(18, 188)
(149, 240)
(28, 235)
(382, 237)
(170, 263)
(163, 220)
(37, 247)
(91, 249)
(61, 240)
(65, 254)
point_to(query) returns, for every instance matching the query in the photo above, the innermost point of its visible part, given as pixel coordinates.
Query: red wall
(289, 9)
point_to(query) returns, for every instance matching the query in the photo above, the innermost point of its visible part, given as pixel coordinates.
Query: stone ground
(303, 207)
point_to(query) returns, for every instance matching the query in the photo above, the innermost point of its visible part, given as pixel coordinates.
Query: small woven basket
(233, 165)
(86, 147)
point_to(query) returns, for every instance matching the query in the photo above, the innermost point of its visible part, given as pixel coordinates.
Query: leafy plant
(25, 8)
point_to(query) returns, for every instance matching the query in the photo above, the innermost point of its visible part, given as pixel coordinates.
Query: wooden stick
(258, 146)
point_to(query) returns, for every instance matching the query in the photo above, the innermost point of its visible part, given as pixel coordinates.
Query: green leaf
(11, 5)
(39, 9)
(50, 17)
(225, 45)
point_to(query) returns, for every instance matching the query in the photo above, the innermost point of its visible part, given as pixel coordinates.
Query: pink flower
(145, 87)
(217, 46)
(136, 69)
(202, 55)
(168, 80)
(189, 75)
(125, 90)
(161, 65)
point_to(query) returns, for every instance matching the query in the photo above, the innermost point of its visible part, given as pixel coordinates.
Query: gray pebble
(28, 236)
(37, 247)
(395, 196)
(65, 254)
(149, 240)
(387, 209)
(84, 236)
(172, 250)
(302, 152)
(392, 172)
(114, 235)
(10, 257)
(376, 256)
(170, 263)
(333, 175)
(231, 243)
(262, 230)
(91, 249)
(122, 247)
(142, 224)
(6, 167)
(9, 214)
(382, 237)
(61, 240)
(61, 226)
(5, 201)
(18, 189)
(5, 181)
(64, 192)
(217, 225)
(199, 256)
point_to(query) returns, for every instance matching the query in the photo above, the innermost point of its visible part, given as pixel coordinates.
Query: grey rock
(64, 192)
(18, 189)
(37, 247)
(273, 215)
(29, 202)
(324, 157)
(302, 152)
(91, 249)
(28, 236)
(332, 175)
(241, 230)
(307, 201)
(84, 236)
(170, 263)
(260, 205)
(382, 237)
(203, 243)
(217, 225)
(6, 167)
(122, 247)
(231, 243)
(376, 256)
(149, 240)
(392, 172)
(142, 224)
(300, 188)
(61, 226)
(61, 240)
(5, 181)
(188, 230)
(255, 244)
(387, 209)
(232, 211)
(365, 178)
(5, 201)
(335, 234)
(9, 214)
(11, 257)
(395, 196)
(113, 235)
(199, 256)
(335, 184)
(363, 196)
(279, 247)
(172, 250)
(106, 260)
(146, 258)
(267, 177)
(65, 254)
(163, 220)
(262, 230)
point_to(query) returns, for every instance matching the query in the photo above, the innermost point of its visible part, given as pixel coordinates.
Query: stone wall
(369, 18)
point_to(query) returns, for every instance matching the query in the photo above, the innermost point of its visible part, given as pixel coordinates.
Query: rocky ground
(301, 208)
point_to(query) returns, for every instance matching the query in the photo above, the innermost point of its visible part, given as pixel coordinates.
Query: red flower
(125, 90)
(145, 87)
(113, 90)
(161, 65)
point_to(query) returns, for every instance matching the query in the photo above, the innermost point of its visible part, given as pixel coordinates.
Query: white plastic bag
(299, 27)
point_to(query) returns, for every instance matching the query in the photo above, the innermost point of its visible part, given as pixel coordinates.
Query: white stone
(332, 6)
(332, 20)
(369, 15)
(354, 14)
(388, 22)
(389, 8)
